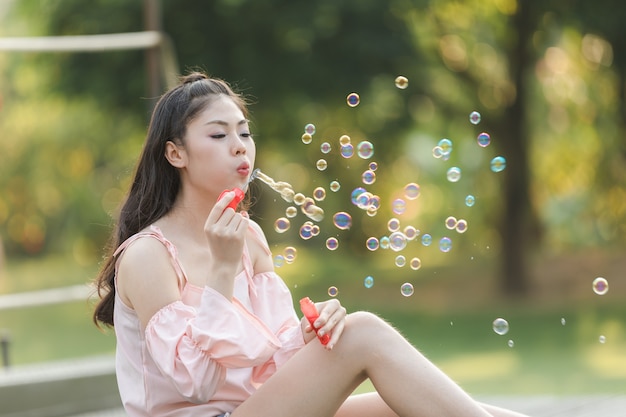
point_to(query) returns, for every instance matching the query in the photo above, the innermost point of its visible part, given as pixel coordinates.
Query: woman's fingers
(331, 321)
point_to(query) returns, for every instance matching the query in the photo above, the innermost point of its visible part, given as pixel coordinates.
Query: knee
(366, 327)
(364, 319)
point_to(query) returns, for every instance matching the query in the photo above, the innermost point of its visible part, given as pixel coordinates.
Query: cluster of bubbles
(362, 198)
(460, 225)
(443, 149)
(501, 327)
(600, 286)
(309, 205)
(287, 257)
(401, 82)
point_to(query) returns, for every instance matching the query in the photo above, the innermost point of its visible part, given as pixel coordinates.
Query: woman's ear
(175, 154)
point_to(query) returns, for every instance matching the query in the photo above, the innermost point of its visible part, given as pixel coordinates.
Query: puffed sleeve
(272, 302)
(193, 347)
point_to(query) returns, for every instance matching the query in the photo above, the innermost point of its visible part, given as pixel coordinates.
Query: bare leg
(370, 404)
(316, 382)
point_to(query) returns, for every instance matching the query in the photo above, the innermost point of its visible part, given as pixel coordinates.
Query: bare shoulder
(259, 249)
(258, 231)
(143, 253)
(146, 279)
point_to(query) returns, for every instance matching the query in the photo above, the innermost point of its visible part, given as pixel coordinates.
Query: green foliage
(72, 123)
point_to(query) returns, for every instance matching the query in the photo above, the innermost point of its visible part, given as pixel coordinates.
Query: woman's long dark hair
(156, 183)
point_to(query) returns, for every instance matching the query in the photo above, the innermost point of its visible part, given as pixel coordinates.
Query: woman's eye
(246, 135)
(218, 136)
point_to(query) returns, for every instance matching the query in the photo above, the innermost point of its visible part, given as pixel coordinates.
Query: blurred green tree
(299, 61)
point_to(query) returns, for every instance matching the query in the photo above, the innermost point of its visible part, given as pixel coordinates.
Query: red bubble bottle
(239, 194)
(310, 312)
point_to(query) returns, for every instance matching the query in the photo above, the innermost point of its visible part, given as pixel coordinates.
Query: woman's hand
(225, 230)
(331, 320)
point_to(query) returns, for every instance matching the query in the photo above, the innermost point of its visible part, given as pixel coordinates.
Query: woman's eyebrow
(223, 123)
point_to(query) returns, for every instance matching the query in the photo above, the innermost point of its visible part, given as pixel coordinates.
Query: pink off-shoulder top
(204, 354)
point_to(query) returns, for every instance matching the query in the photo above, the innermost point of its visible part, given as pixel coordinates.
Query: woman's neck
(188, 217)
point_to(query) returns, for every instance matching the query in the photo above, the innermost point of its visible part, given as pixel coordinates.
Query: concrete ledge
(59, 389)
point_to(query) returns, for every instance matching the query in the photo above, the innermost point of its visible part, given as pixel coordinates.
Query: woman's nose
(238, 146)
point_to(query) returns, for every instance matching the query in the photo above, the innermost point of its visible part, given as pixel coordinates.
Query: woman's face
(218, 149)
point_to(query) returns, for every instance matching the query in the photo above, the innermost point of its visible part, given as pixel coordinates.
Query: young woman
(204, 326)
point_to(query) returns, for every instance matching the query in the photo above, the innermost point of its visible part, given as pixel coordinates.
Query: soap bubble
(406, 289)
(281, 225)
(445, 145)
(374, 202)
(325, 147)
(372, 243)
(334, 186)
(563, 322)
(400, 261)
(310, 129)
(474, 117)
(427, 239)
(368, 177)
(315, 229)
(308, 206)
(342, 220)
(602, 339)
(368, 281)
(600, 286)
(451, 222)
(500, 326)
(319, 194)
(344, 140)
(393, 224)
(398, 206)
(410, 232)
(333, 291)
(498, 164)
(438, 152)
(299, 199)
(415, 264)
(411, 191)
(397, 241)
(290, 254)
(306, 231)
(321, 164)
(355, 195)
(363, 200)
(307, 138)
(483, 139)
(291, 212)
(384, 242)
(511, 343)
(454, 174)
(470, 200)
(401, 82)
(279, 260)
(461, 226)
(445, 244)
(365, 150)
(347, 151)
(353, 99)
(373, 165)
(332, 243)
(371, 210)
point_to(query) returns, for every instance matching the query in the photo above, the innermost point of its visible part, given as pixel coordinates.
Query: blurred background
(548, 79)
